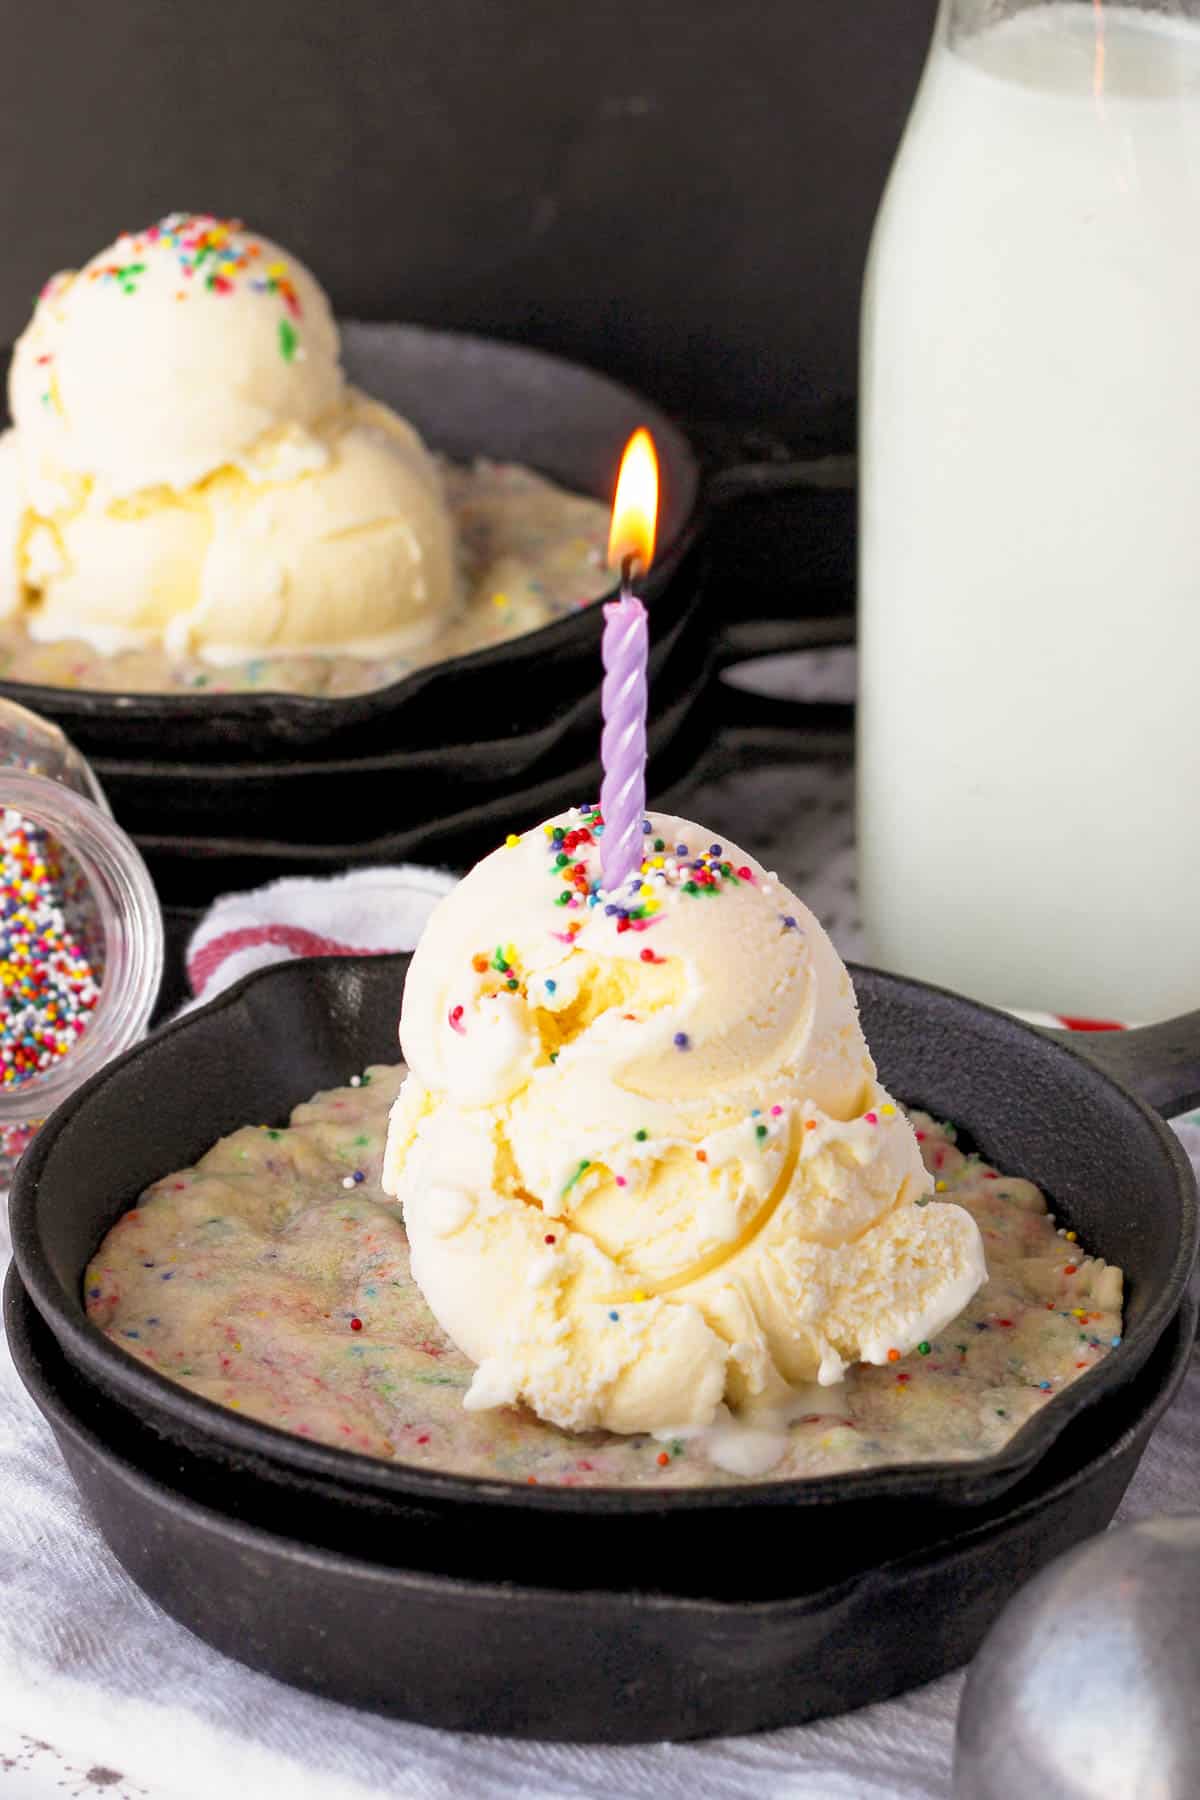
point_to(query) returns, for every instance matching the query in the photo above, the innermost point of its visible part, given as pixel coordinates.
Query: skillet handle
(782, 555)
(1158, 1063)
(782, 475)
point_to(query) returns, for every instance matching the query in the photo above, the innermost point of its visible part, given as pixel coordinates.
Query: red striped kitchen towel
(1069, 1023)
(367, 912)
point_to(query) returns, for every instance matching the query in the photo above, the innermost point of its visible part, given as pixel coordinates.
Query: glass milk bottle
(1029, 755)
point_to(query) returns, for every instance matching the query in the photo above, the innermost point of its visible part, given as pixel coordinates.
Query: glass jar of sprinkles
(81, 939)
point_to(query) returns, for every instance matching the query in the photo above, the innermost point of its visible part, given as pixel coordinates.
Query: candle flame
(635, 506)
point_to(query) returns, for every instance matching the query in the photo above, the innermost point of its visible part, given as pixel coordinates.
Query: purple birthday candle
(624, 649)
(623, 740)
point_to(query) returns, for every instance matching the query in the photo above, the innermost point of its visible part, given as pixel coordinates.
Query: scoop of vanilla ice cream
(338, 541)
(169, 355)
(189, 470)
(645, 1160)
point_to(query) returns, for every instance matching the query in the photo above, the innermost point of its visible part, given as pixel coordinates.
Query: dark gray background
(680, 193)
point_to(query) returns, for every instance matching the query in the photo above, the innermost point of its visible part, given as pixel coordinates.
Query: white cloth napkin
(101, 1693)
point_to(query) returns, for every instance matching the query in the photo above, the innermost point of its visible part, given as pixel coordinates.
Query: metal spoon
(1088, 1685)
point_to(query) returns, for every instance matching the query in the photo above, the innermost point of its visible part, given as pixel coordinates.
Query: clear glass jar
(1029, 552)
(109, 903)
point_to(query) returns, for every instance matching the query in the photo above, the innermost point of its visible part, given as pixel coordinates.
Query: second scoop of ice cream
(645, 1160)
(188, 468)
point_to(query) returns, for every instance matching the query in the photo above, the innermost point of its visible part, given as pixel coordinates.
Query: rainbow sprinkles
(667, 869)
(575, 861)
(213, 256)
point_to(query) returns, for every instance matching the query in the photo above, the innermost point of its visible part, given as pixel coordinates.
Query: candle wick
(627, 563)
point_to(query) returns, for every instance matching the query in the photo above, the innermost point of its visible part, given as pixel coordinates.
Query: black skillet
(469, 397)
(353, 814)
(1032, 1106)
(192, 870)
(351, 1618)
(480, 397)
(344, 801)
(349, 800)
(202, 780)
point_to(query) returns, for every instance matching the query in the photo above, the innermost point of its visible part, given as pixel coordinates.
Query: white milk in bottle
(1029, 755)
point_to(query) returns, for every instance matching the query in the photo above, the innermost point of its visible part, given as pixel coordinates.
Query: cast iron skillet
(469, 397)
(362, 1625)
(478, 397)
(699, 726)
(349, 800)
(1032, 1106)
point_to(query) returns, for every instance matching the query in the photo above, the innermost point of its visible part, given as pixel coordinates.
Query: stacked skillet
(221, 791)
(481, 1604)
(592, 1613)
